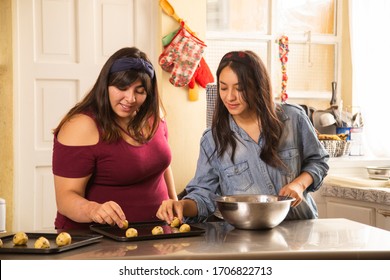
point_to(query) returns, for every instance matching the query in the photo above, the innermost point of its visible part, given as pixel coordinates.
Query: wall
(346, 71)
(6, 109)
(186, 119)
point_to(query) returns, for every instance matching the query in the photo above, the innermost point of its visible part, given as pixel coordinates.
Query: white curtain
(370, 50)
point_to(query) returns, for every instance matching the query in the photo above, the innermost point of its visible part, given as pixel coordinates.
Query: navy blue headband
(129, 63)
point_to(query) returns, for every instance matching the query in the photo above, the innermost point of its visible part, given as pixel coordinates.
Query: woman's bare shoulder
(80, 130)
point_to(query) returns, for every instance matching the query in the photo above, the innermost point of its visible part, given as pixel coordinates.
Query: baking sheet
(77, 241)
(144, 231)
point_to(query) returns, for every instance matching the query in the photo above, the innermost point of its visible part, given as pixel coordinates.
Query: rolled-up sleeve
(315, 157)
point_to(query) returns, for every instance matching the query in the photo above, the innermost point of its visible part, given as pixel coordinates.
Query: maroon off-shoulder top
(132, 176)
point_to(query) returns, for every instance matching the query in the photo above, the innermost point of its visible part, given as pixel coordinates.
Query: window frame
(271, 38)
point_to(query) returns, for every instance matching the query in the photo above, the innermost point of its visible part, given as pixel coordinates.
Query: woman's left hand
(293, 190)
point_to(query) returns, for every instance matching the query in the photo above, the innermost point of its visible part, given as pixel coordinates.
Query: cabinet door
(358, 213)
(383, 219)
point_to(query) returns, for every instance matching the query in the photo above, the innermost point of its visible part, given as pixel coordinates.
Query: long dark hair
(256, 87)
(97, 102)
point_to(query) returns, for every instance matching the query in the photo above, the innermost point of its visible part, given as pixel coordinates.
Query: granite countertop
(363, 189)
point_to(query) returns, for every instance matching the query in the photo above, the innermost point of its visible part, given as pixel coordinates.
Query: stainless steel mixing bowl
(254, 211)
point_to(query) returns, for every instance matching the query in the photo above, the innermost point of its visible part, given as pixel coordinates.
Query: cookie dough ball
(185, 228)
(63, 239)
(42, 243)
(131, 232)
(157, 230)
(20, 238)
(175, 222)
(125, 224)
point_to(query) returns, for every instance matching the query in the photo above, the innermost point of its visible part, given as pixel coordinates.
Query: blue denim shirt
(299, 149)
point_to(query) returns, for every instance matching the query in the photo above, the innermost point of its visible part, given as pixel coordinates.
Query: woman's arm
(169, 180)
(81, 131)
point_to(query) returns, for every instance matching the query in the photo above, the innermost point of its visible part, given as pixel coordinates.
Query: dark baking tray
(144, 231)
(77, 241)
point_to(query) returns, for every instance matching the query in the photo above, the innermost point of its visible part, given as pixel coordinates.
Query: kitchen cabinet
(367, 205)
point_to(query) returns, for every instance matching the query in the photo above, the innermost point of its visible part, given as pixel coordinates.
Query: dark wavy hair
(256, 87)
(97, 102)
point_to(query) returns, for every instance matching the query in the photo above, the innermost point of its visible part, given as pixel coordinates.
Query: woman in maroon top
(111, 158)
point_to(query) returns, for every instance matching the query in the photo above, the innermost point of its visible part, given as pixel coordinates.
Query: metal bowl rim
(222, 197)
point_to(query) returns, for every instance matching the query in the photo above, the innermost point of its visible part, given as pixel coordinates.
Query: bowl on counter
(254, 211)
(379, 173)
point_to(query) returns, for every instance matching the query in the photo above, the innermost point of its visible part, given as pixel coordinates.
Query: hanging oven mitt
(202, 76)
(181, 57)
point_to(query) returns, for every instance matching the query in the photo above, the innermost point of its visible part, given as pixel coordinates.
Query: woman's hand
(293, 190)
(296, 188)
(107, 213)
(169, 209)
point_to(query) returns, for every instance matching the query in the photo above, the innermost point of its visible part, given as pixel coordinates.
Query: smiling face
(231, 94)
(125, 102)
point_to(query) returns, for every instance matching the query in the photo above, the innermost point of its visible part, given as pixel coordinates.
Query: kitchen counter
(362, 189)
(303, 239)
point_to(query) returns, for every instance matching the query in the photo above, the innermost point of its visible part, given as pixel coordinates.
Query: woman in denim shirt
(254, 146)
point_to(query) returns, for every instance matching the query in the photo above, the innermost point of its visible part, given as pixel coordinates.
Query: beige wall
(6, 109)
(346, 71)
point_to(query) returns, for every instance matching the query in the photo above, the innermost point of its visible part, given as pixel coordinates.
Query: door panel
(60, 47)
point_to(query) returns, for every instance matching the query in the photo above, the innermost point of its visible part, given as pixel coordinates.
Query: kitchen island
(304, 239)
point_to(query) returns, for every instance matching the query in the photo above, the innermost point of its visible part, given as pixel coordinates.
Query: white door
(60, 47)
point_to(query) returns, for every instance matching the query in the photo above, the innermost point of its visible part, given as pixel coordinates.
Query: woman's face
(230, 92)
(125, 102)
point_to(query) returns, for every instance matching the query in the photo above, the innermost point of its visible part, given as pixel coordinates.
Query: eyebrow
(236, 84)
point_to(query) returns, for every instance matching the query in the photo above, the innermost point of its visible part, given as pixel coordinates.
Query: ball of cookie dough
(131, 232)
(157, 230)
(185, 228)
(63, 239)
(42, 243)
(125, 224)
(20, 238)
(175, 222)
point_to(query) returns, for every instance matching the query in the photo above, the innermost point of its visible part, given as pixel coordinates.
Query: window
(314, 40)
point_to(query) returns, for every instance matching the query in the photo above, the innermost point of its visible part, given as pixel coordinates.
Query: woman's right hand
(107, 213)
(169, 209)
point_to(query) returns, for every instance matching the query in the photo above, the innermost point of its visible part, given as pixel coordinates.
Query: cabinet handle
(385, 213)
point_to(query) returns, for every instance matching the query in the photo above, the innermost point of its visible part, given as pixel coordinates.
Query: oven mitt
(202, 75)
(181, 57)
(168, 38)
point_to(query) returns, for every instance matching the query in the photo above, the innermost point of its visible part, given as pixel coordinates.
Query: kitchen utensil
(322, 129)
(170, 11)
(334, 94)
(254, 211)
(144, 231)
(327, 119)
(379, 173)
(77, 241)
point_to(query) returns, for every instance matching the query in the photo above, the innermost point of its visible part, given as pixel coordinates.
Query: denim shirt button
(236, 170)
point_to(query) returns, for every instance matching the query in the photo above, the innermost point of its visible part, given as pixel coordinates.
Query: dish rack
(337, 148)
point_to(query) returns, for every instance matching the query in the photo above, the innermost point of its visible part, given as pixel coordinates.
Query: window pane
(303, 15)
(216, 49)
(309, 68)
(237, 16)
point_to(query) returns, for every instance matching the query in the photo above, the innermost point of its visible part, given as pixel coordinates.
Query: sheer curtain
(370, 50)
